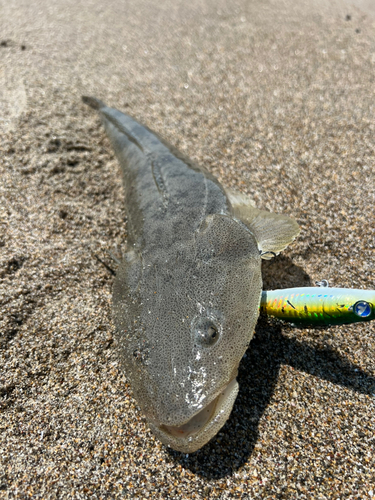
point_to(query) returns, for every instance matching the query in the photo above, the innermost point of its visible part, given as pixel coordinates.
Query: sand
(277, 100)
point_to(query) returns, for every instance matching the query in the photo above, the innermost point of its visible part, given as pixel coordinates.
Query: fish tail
(93, 102)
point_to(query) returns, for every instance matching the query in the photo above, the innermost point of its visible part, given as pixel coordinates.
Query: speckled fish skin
(186, 295)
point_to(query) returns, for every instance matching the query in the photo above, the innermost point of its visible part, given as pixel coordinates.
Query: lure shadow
(258, 375)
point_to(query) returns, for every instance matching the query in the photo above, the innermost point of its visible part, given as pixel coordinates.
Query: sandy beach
(276, 99)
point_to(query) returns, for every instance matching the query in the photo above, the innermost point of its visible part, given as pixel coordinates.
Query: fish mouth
(203, 426)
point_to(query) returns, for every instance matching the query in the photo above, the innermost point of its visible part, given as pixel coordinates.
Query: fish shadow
(257, 377)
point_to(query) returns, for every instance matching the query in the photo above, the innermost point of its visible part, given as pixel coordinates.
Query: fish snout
(202, 426)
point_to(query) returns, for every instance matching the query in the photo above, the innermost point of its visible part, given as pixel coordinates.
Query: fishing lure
(318, 306)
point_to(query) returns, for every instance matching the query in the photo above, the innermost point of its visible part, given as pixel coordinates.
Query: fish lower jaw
(203, 426)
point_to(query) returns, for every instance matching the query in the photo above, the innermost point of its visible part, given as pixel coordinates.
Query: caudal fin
(93, 102)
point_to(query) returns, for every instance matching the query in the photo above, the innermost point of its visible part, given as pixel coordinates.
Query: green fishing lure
(319, 306)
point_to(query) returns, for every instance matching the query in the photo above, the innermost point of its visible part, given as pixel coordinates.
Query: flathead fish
(187, 293)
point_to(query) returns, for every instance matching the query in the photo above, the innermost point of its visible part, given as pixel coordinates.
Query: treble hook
(322, 283)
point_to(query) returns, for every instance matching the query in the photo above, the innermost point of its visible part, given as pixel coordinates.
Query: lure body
(319, 305)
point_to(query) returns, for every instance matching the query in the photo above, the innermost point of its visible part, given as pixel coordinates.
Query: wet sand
(277, 101)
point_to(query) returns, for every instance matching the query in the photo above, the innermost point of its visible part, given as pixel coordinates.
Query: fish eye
(206, 332)
(362, 309)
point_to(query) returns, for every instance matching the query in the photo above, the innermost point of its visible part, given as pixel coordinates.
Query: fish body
(319, 306)
(187, 293)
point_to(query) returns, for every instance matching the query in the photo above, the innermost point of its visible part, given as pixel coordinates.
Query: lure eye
(205, 331)
(362, 309)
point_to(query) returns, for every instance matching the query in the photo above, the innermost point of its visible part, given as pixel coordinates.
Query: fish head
(195, 323)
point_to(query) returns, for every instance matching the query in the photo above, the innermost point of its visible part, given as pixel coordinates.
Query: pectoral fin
(273, 232)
